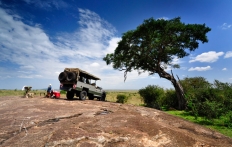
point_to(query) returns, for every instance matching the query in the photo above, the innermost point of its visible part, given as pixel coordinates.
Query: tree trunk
(180, 94)
(177, 86)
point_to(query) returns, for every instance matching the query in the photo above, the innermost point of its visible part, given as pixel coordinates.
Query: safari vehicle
(80, 83)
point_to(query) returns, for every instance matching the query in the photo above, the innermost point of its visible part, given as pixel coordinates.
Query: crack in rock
(40, 123)
(49, 121)
(104, 112)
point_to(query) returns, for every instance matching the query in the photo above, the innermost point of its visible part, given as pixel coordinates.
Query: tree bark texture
(178, 88)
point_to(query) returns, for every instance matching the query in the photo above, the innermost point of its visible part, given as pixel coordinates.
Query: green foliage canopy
(154, 44)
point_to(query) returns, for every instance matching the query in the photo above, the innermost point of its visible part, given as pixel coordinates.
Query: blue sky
(39, 38)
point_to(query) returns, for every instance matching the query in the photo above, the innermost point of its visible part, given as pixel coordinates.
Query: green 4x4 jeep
(80, 83)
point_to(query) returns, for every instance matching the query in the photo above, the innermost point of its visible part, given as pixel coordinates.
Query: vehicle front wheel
(91, 97)
(69, 95)
(83, 95)
(103, 97)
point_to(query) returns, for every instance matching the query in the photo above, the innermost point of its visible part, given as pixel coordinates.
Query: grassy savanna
(216, 124)
(132, 95)
(17, 92)
(135, 99)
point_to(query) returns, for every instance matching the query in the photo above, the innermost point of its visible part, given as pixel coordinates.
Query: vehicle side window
(87, 81)
(80, 79)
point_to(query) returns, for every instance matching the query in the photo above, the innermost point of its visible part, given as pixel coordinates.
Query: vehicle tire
(91, 97)
(103, 97)
(62, 76)
(69, 95)
(71, 76)
(83, 95)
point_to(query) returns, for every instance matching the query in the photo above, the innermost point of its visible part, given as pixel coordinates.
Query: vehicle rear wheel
(83, 95)
(62, 76)
(69, 95)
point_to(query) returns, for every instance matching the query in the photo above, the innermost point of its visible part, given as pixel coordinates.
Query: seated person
(49, 91)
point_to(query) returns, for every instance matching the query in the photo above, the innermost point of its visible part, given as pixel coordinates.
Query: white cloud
(164, 18)
(91, 40)
(176, 60)
(48, 4)
(95, 64)
(34, 56)
(31, 51)
(200, 68)
(154, 77)
(228, 54)
(25, 72)
(210, 56)
(26, 76)
(224, 69)
(113, 43)
(225, 26)
(38, 76)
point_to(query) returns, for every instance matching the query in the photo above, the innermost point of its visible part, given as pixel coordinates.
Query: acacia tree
(153, 46)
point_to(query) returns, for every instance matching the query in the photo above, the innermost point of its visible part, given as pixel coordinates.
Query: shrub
(224, 92)
(228, 121)
(122, 98)
(193, 104)
(211, 109)
(152, 96)
(170, 99)
(195, 83)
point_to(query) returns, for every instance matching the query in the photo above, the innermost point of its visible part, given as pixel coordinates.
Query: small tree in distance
(122, 98)
(152, 47)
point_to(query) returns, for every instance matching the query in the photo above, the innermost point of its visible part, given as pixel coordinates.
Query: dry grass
(133, 96)
(111, 95)
(4, 92)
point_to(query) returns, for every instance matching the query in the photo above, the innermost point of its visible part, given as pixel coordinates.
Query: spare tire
(62, 76)
(71, 76)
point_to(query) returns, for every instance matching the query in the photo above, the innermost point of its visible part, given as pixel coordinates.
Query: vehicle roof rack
(83, 73)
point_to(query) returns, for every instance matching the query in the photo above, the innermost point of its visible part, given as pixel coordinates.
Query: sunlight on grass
(133, 97)
(216, 124)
